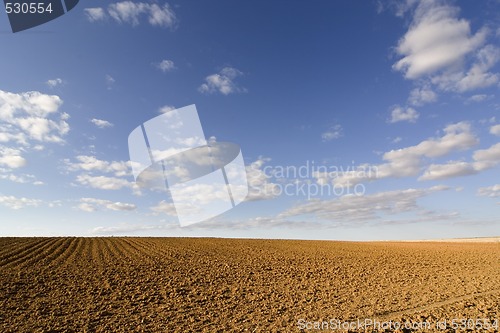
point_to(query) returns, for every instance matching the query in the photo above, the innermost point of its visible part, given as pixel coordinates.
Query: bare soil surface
(239, 285)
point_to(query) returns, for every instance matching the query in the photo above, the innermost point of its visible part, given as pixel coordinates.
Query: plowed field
(228, 285)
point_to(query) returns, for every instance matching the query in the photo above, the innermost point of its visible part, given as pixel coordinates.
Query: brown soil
(228, 285)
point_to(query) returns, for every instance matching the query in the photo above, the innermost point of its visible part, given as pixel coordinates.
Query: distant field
(228, 285)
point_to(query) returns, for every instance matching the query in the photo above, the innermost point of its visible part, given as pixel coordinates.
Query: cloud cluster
(54, 82)
(491, 191)
(222, 82)
(334, 132)
(400, 114)
(439, 51)
(13, 202)
(260, 186)
(100, 174)
(27, 122)
(130, 12)
(101, 123)
(437, 39)
(31, 116)
(409, 161)
(165, 65)
(92, 205)
(358, 208)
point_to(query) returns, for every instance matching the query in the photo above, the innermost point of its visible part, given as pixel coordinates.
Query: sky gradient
(389, 109)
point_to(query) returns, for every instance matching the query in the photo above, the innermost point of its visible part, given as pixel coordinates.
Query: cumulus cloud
(478, 98)
(222, 82)
(449, 170)
(166, 108)
(54, 82)
(103, 182)
(260, 185)
(422, 95)
(164, 207)
(334, 132)
(32, 116)
(132, 13)
(409, 161)
(495, 130)
(398, 114)
(93, 164)
(437, 39)
(478, 76)
(491, 191)
(13, 202)
(7, 174)
(92, 205)
(440, 48)
(483, 159)
(101, 123)
(166, 65)
(95, 14)
(11, 158)
(353, 208)
(487, 158)
(101, 174)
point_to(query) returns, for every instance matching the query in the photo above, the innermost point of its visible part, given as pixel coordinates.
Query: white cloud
(126, 229)
(103, 182)
(54, 83)
(131, 13)
(11, 158)
(162, 16)
(95, 14)
(222, 82)
(483, 159)
(491, 191)
(352, 208)
(92, 204)
(7, 174)
(18, 203)
(260, 186)
(495, 130)
(408, 162)
(164, 207)
(400, 114)
(334, 132)
(422, 95)
(166, 65)
(437, 39)
(448, 170)
(101, 123)
(397, 139)
(487, 158)
(93, 164)
(479, 98)
(110, 81)
(28, 116)
(478, 76)
(127, 11)
(166, 108)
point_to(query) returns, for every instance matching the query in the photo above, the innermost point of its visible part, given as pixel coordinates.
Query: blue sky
(392, 108)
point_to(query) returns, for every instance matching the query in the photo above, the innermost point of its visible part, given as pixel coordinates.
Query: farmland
(124, 284)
